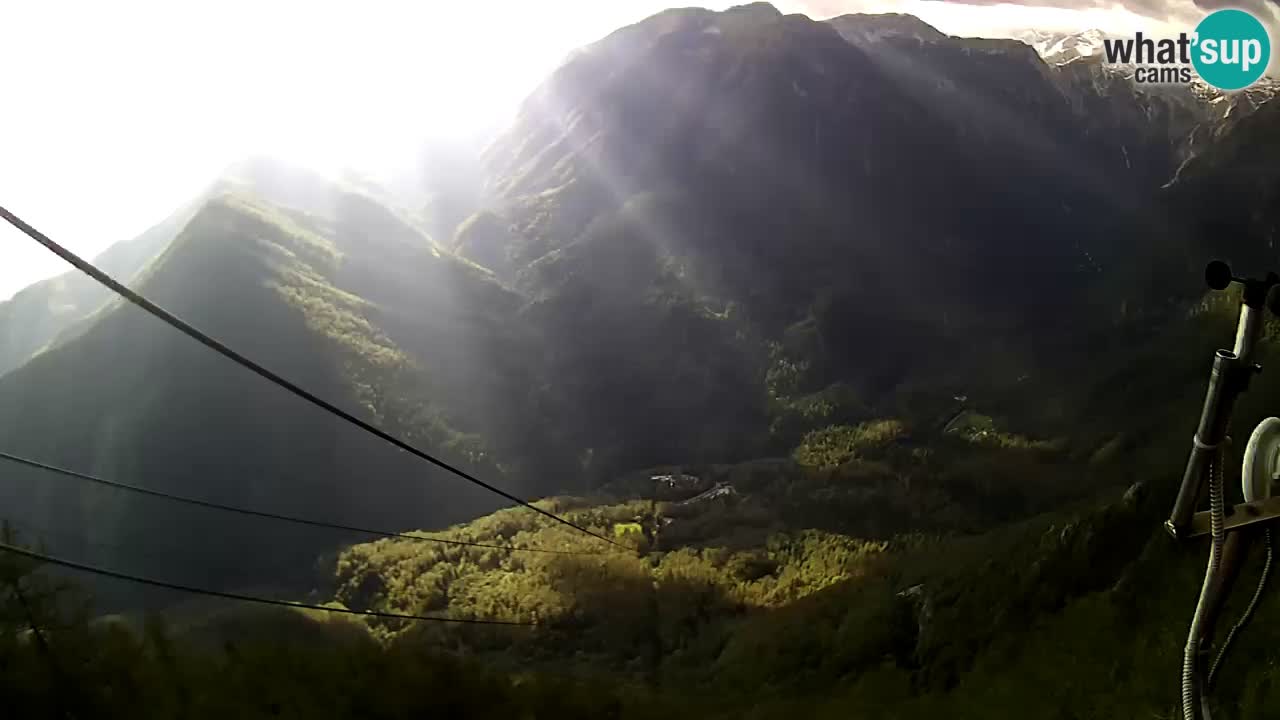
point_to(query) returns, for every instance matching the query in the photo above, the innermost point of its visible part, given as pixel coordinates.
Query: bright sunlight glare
(117, 113)
(127, 109)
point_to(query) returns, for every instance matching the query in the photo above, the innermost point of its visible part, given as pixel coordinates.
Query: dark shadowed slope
(130, 399)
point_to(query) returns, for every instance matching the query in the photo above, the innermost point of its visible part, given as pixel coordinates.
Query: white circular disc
(1261, 463)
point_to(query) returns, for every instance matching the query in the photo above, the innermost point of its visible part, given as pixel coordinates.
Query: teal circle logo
(1232, 49)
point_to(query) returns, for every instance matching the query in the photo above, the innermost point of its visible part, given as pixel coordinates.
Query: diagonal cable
(187, 329)
(269, 515)
(41, 557)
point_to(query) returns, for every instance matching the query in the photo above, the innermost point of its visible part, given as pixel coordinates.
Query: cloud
(1268, 11)
(1179, 11)
(831, 8)
(1150, 8)
(1265, 6)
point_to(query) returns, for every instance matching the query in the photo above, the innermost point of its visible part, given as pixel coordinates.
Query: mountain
(769, 170)
(1082, 54)
(1060, 48)
(345, 298)
(1229, 192)
(1123, 129)
(721, 140)
(35, 317)
(797, 587)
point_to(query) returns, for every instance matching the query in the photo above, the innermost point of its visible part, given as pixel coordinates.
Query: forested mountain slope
(131, 399)
(708, 234)
(883, 212)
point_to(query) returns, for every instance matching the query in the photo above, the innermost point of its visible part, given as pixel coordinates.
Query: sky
(116, 113)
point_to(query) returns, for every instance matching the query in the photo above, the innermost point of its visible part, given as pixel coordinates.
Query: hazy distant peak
(860, 28)
(866, 30)
(690, 17)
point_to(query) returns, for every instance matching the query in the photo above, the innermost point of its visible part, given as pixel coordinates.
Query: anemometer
(1230, 529)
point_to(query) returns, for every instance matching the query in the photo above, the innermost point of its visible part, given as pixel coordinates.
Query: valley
(877, 350)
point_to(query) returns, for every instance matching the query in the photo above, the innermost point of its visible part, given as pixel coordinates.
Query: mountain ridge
(878, 352)
(243, 442)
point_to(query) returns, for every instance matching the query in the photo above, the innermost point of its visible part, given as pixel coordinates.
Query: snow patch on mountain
(1059, 48)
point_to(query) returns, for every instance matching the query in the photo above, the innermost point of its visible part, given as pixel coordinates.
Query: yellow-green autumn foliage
(834, 446)
(680, 588)
(982, 430)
